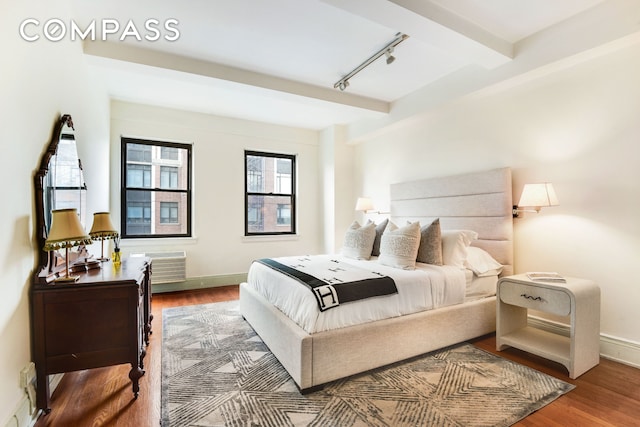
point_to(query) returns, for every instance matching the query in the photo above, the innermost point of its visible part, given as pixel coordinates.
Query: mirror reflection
(64, 183)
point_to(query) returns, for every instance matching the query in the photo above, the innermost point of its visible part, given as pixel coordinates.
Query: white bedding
(425, 288)
(480, 287)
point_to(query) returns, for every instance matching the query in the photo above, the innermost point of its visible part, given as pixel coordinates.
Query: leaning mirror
(59, 184)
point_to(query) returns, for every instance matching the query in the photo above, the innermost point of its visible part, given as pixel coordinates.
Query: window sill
(271, 238)
(158, 241)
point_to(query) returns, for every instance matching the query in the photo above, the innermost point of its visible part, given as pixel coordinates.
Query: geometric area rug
(216, 371)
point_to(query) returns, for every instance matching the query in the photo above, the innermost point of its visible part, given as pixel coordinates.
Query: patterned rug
(217, 372)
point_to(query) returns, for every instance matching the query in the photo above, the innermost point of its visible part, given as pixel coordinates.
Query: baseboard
(200, 283)
(612, 348)
(25, 415)
(620, 350)
(22, 416)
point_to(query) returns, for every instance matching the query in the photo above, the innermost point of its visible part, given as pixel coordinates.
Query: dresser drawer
(554, 301)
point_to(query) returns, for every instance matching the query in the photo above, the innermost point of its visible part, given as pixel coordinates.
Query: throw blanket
(332, 281)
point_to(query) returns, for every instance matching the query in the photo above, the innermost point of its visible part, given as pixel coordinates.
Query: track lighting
(343, 83)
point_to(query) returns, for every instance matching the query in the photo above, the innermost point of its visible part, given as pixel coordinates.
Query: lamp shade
(66, 231)
(102, 227)
(538, 195)
(364, 204)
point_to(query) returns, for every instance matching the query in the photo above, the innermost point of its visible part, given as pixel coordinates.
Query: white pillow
(481, 262)
(454, 246)
(358, 240)
(399, 246)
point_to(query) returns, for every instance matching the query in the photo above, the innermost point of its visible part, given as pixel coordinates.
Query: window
(156, 189)
(283, 176)
(139, 153)
(138, 216)
(254, 215)
(169, 153)
(139, 175)
(284, 214)
(269, 193)
(254, 174)
(168, 212)
(168, 177)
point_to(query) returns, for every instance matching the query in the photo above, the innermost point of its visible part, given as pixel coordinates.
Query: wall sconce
(365, 205)
(102, 229)
(66, 232)
(536, 196)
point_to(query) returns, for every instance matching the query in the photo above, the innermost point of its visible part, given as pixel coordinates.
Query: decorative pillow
(430, 250)
(376, 243)
(358, 240)
(454, 246)
(399, 246)
(481, 262)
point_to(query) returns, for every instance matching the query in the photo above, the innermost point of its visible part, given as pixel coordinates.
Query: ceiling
(277, 60)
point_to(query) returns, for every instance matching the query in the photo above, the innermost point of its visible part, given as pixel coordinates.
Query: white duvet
(425, 288)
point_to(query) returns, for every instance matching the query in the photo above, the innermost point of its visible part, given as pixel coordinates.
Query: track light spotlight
(343, 83)
(390, 58)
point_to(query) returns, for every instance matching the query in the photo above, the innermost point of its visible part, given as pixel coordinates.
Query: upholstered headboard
(479, 201)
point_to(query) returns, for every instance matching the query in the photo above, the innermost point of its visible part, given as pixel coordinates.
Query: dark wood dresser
(102, 319)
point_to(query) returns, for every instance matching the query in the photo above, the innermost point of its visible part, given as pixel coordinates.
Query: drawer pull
(532, 297)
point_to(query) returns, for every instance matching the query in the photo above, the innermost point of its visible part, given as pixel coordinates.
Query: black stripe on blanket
(329, 295)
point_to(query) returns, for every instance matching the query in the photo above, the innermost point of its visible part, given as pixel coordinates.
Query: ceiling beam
(154, 58)
(431, 24)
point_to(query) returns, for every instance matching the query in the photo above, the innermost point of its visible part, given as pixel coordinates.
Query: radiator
(168, 267)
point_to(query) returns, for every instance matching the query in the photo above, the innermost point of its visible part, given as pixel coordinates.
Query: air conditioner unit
(167, 267)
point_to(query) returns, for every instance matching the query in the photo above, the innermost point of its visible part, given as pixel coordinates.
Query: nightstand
(579, 299)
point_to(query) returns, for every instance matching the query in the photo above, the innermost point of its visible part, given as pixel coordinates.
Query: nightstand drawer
(553, 301)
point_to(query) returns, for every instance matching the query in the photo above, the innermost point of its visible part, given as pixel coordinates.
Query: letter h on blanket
(326, 296)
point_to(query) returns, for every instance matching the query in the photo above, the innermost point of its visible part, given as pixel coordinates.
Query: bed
(481, 202)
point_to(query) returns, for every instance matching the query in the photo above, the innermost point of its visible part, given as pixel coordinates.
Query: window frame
(124, 187)
(248, 194)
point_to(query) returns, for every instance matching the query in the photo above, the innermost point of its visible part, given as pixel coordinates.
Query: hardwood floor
(607, 395)
(103, 396)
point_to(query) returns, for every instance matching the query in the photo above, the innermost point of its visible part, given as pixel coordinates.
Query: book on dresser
(546, 276)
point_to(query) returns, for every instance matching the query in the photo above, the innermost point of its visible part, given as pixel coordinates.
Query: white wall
(219, 246)
(577, 127)
(39, 81)
(328, 188)
(337, 177)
